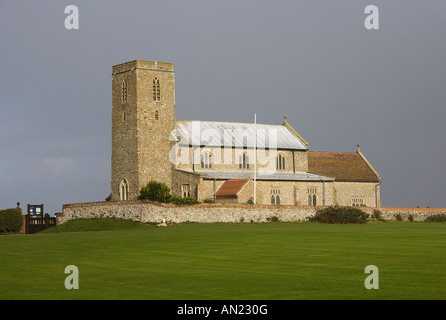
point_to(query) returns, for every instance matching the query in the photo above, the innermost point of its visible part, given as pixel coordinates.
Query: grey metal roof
(235, 134)
(261, 175)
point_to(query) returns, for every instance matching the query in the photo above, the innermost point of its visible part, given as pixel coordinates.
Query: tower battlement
(143, 65)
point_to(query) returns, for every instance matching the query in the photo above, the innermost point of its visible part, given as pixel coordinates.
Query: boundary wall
(148, 211)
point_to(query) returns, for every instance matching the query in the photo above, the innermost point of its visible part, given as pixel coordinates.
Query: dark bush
(436, 218)
(159, 191)
(337, 214)
(377, 215)
(398, 217)
(10, 220)
(155, 191)
(183, 201)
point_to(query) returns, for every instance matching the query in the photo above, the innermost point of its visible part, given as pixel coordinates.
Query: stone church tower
(143, 117)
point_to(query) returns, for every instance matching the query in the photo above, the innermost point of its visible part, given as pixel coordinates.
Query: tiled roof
(230, 188)
(341, 166)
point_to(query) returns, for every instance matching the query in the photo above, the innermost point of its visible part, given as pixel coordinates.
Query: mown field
(285, 261)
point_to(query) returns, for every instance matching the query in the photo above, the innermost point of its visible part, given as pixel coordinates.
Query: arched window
(312, 196)
(124, 91)
(244, 161)
(124, 190)
(156, 89)
(206, 160)
(157, 115)
(185, 190)
(275, 196)
(280, 162)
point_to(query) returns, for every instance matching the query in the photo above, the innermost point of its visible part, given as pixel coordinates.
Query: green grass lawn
(227, 261)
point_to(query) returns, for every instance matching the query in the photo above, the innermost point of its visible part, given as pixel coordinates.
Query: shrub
(377, 215)
(337, 214)
(155, 191)
(441, 217)
(410, 217)
(10, 220)
(398, 217)
(183, 201)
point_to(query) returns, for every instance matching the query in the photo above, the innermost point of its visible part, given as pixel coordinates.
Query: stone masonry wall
(146, 211)
(143, 117)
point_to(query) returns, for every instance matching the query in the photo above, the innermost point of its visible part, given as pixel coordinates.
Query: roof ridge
(333, 152)
(250, 123)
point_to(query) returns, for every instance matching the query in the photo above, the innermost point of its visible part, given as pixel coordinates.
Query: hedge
(10, 220)
(337, 214)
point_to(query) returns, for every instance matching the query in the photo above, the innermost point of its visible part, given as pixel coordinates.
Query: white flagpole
(255, 156)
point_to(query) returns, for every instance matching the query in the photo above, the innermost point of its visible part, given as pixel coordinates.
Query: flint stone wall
(147, 211)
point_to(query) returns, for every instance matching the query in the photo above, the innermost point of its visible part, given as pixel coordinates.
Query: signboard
(35, 210)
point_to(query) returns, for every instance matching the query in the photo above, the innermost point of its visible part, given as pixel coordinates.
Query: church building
(228, 162)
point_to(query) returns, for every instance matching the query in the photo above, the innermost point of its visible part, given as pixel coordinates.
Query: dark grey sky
(314, 61)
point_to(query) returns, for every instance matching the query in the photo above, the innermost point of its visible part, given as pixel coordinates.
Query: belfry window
(156, 90)
(157, 115)
(124, 91)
